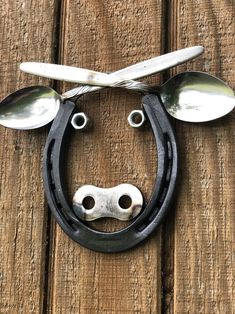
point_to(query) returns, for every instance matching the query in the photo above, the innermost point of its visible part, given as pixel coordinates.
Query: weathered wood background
(187, 266)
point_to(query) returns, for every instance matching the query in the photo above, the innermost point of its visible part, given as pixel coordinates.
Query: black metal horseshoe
(149, 218)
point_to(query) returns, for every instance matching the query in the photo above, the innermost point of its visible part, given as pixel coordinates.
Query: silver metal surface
(29, 108)
(159, 63)
(136, 118)
(108, 202)
(80, 121)
(136, 71)
(34, 107)
(197, 97)
(69, 73)
(132, 85)
(189, 96)
(143, 68)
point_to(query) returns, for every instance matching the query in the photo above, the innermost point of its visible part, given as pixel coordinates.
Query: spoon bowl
(196, 97)
(29, 108)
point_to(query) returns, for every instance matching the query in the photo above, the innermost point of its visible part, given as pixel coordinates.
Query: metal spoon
(35, 106)
(132, 72)
(196, 97)
(188, 96)
(29, 108)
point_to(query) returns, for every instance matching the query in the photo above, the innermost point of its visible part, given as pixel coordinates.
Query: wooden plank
(106, 36)
(204, 222)
(26, 34)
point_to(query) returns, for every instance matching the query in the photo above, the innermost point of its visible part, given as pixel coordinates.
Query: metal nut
(80, 121)
(136, 118)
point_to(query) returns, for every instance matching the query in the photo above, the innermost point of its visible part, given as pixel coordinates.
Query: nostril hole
(88, 202)
(125, 201)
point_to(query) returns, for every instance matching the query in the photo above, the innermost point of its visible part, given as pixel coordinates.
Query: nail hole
(125, 201)
(88, 202)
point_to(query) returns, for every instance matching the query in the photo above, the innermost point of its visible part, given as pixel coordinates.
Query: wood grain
(26, 34)
(204, 222)
(107, 36)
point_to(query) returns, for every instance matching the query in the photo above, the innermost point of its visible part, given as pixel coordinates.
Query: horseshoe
(148, 219)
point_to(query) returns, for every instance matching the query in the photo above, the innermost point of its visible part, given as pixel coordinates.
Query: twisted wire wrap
(128, 84)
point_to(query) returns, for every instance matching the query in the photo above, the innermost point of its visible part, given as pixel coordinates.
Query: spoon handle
(68, 73)
(158, 64)
(141, 69)
(136, 71)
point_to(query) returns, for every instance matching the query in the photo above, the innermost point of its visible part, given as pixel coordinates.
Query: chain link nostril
(123, 202)
(88, 202)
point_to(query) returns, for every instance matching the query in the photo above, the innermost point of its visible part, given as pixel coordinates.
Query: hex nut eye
(136, 118)
(80, 121)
